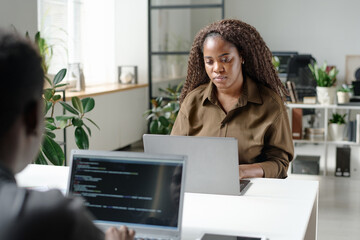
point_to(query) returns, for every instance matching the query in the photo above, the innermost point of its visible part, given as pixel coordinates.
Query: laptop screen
(129, 190)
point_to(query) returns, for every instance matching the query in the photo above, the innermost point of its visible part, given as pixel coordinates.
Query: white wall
(131, 37)
(19, 13)
(327, 29)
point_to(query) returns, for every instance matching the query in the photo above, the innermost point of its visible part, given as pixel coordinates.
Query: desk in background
(278, 209)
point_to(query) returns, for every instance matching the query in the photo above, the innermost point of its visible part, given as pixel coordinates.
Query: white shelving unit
(326, 142)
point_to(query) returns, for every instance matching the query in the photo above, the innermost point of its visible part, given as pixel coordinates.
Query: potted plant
(337, 127)
(50, 150)
(164, 111)
(343, 94)
(325, 77)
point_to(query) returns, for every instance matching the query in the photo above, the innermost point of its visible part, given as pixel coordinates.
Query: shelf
(308, 141)
(320, 106)
(350, 143)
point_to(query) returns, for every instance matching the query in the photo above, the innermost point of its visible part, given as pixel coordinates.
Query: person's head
(245, 43)
(21, 121)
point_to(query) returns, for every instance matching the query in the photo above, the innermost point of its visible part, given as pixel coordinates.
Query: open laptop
(212, 161)
(142, 191)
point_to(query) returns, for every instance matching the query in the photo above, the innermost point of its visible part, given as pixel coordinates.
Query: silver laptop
(212, 161)
(142, 191)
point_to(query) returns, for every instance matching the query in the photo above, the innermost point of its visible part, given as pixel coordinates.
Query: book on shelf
(352, 131)
(357, 128)
(290, 86)
(297, 123)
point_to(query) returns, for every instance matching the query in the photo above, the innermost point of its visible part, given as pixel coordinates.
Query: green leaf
(63, 124)
(50, 126)
(154, 126)
(53, 151)
(81, 138)
(69, 108)
(93, 123)
(63, 118)
(41, 159)
(88, 104)
(49, 93)
(60, 85)
(56, 98)
(88, 129)
(77, 122)
(164, 121)
(50, 134)
(77, 104)
(49, 120)
(37, 37)
(59, 76)
(47, 106)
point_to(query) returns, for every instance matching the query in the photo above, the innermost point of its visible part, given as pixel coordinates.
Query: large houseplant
(325, 77)
(50, 150)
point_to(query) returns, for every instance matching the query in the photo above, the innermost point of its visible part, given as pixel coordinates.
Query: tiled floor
(339, 204)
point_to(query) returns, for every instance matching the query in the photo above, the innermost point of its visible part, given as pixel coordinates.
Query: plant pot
(336, 131)
(326, 95)
(343, 97)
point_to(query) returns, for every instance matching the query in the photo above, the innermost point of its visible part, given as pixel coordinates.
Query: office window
(80, 32)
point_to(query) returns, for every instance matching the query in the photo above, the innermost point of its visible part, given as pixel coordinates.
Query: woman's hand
(122, 233)
(250, 171)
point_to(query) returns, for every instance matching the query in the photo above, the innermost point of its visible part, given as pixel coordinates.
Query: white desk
(277, 209)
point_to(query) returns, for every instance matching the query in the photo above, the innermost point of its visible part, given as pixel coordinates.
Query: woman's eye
(225, 60)
(208, 61)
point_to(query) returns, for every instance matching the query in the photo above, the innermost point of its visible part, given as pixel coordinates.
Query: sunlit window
(80, 32)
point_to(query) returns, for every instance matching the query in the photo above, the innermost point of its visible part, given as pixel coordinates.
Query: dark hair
(21, 77)
(251, 47)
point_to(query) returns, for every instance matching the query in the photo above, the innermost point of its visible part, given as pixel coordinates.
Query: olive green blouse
(259, 121)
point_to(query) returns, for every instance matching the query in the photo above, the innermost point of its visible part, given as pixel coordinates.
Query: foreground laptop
(142, 191)
(212, 161)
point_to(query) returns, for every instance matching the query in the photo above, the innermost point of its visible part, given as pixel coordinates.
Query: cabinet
(324, 112)
(172, 27)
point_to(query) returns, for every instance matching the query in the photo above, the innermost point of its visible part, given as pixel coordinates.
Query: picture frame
(352, 63)
(128, 74)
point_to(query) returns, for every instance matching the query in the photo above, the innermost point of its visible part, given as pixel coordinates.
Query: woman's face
(223, 64)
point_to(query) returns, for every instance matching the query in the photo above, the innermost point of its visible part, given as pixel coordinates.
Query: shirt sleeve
(181, 125)
(278, 148)
(49, 215)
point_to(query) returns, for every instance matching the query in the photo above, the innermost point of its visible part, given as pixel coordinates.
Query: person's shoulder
(270, 97)
(195, 96)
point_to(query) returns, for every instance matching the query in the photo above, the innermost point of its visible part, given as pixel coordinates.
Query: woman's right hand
(122, 233)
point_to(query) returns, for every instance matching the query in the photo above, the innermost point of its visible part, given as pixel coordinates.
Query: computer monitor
(284, 58)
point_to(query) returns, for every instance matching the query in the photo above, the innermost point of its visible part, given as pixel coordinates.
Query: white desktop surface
(276, 208)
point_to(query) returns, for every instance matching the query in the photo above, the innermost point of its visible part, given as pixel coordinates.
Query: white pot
(343, 97)
(336, 131)
(326, 95)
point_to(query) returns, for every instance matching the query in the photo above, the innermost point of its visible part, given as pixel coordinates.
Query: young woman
(233, 90)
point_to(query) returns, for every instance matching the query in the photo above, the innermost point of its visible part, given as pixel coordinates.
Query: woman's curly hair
(251, 47)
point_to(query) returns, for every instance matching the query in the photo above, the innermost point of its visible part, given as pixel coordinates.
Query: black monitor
(284, 58)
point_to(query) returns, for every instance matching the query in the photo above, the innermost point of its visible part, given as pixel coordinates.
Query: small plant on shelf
(325, 75)
(344, 88)
(337, 118)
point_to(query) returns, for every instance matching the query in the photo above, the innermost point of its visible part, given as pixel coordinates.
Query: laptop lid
(142, 191)
(212, 161)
